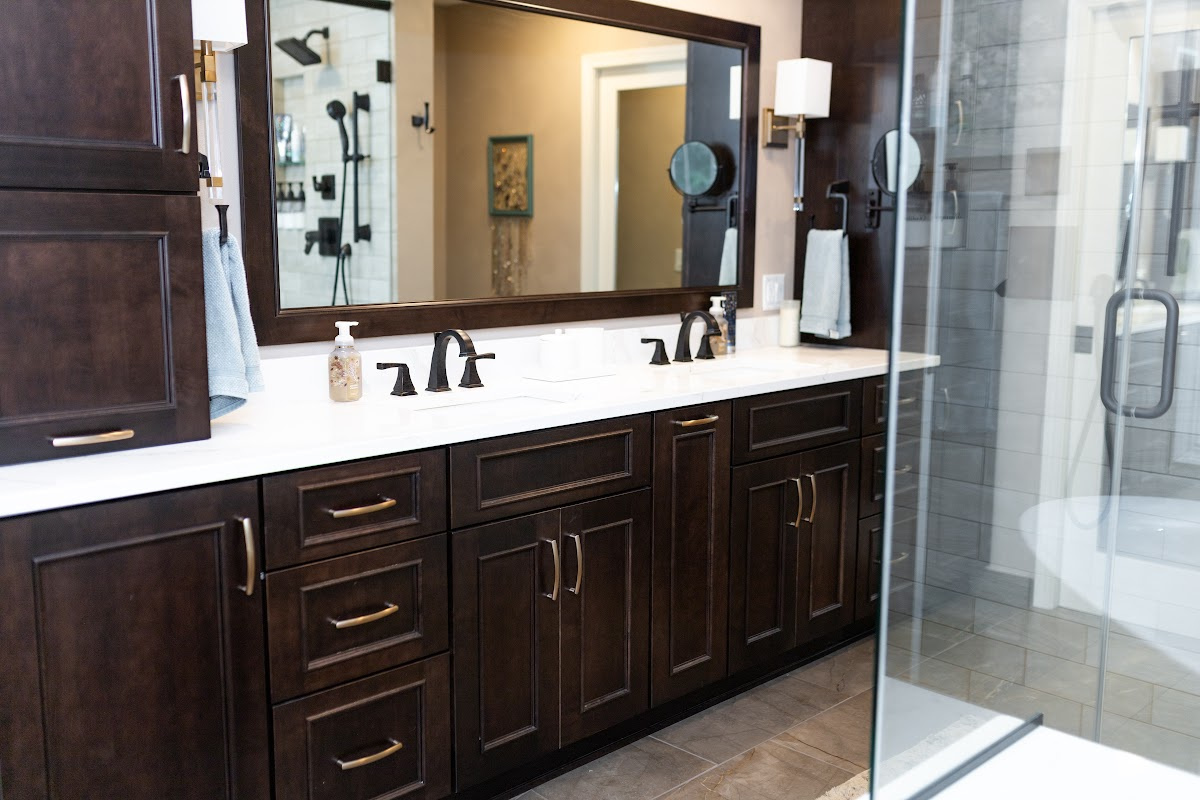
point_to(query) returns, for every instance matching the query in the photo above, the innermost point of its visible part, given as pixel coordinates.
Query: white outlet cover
(772, 292)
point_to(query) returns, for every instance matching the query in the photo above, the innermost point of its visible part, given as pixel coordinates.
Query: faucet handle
(404, 385)
(660, 352)
(705, 349)
(470, 378)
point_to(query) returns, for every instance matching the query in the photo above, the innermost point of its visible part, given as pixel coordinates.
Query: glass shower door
(1041, 525)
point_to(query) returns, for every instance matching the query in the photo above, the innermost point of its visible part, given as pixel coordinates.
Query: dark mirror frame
(282, 326)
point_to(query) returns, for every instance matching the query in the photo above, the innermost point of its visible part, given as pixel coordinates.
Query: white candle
(789, 323)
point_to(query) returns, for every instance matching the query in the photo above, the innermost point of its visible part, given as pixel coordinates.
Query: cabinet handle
(906, 401)
(961, 120)
(353, 622)
(342, 513)
(579, 562)
(907, 468)
(394, 747)
(895, 560)
(696, 423)
(812, 512)
(251, 555)
(799, 503)
(95, 438)
(185, 99)
(557, 569)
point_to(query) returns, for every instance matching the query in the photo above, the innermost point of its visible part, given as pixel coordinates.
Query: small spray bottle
(345, 366)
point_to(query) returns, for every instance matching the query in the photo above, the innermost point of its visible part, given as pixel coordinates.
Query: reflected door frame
(603, 77)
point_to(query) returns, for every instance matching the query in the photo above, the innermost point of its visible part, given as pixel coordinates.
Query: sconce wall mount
(802, 91)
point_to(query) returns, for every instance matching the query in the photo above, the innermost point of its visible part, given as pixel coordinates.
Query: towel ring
(839, 190)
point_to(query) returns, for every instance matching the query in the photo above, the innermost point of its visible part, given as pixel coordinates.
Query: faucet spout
(438, 382)
(683, 350)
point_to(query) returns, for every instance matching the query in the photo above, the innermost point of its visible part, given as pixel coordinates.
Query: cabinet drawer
(341, 619)
(875, 399)
(874, 465)
(513, 475)
(787, 422)
(387, 736)
(318, 513)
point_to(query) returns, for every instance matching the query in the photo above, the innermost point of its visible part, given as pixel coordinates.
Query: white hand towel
(825, 303)
(233, 361)
(729, 258)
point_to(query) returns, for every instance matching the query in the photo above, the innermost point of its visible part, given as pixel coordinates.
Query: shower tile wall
(358, 37)
(1012, 418)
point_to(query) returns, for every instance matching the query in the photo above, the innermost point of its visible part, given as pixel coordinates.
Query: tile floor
(795, 737)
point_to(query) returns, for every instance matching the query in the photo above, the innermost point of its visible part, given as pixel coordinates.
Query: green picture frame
(510, 176)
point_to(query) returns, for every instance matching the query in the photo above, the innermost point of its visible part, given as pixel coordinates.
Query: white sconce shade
(802, 88)
(222, 22)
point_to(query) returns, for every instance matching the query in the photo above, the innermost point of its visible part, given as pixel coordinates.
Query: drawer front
(870, 484)
(528, 472)
(387, 736)
(787, 422)
(341, 619)
(324, 512)
(908, 402)
(874, 405)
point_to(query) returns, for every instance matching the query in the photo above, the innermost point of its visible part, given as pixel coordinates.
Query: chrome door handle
(695, 423)
(185, 99)
(394, 747)
(353, 622)
(95, 438)
(557, 569)
(342, 513)
(812, 485)
(579, 564)
(799, 503)
(251, 555)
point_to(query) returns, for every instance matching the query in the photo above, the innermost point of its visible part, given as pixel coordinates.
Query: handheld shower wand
(336, 109)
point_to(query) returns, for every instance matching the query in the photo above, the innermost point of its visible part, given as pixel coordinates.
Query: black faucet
(683, 350)
(438, 382)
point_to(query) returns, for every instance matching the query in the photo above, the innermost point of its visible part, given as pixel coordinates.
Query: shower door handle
(1170, 345)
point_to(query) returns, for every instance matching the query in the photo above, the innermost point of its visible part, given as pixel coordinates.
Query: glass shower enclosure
(1041, 556)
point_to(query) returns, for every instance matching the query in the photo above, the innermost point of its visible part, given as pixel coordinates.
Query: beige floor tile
(840, 736)
(1177, 711)
(924, 636)
(989, 656)
(1071, 680)
(1158, 744)
(848, 672)
(948, 679)
(768, 772)
(1024, 703)
(736, 725)
(1042, 633)
(638, 771)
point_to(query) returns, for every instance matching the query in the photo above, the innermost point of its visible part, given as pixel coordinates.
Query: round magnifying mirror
(886, 162)
(696, 169)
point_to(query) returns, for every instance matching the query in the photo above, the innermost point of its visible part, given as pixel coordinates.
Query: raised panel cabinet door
(765, 508)
(605, 627)
(689, 605)
(828, 540)
(133, 659)
(507, 588)
(94, 95)
(101, 324)
(867, 575)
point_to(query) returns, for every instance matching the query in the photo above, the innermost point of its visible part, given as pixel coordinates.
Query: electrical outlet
(772, 292)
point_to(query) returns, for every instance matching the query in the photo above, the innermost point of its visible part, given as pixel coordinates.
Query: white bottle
(720, 344)
(345, 366)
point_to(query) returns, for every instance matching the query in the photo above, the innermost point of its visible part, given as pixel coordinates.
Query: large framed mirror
(428, 164)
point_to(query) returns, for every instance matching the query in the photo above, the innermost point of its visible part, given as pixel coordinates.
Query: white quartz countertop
(294, 425)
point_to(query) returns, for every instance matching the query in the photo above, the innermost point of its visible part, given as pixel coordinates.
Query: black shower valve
(326, 185)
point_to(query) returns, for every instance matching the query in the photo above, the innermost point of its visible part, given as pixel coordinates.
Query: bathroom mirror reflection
(404, 133)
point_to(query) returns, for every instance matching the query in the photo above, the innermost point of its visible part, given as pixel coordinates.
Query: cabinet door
(827, 540)
(689, 613)
(94, 95)
(605, 613)
(101, 323)
(133, 658)
(867, 576)
(507, 585)
(765, 510)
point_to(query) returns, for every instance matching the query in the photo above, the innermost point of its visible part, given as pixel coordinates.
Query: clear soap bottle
(720, 344)
(345, 366)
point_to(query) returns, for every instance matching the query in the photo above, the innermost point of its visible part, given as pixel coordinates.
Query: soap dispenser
(345, 366)
(719, 344)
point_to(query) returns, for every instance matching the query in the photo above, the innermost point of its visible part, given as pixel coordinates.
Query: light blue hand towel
(729, 258)
(825, 304)
(233, 361)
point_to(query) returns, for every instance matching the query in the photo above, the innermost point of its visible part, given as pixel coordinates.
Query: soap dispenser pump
(719, 344)
(345, 366)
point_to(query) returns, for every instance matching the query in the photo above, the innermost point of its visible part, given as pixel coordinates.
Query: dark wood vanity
(455, 621)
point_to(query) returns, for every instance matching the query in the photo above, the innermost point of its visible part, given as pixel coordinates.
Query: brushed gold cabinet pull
(353, 622)
(394, 747)
(906, 401)
(579, 564)
(251, 555)
(185, 99)
(557, 569)
(812, 512)
(342, 513)
(799, 503)
(907, 468)
(895, 560)
(95, 438)
(696, 423)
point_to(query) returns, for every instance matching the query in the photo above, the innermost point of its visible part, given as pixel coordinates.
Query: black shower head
(299, 49)
(336, 110)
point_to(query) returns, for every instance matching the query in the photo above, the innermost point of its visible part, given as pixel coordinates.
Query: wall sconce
(801, 92)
